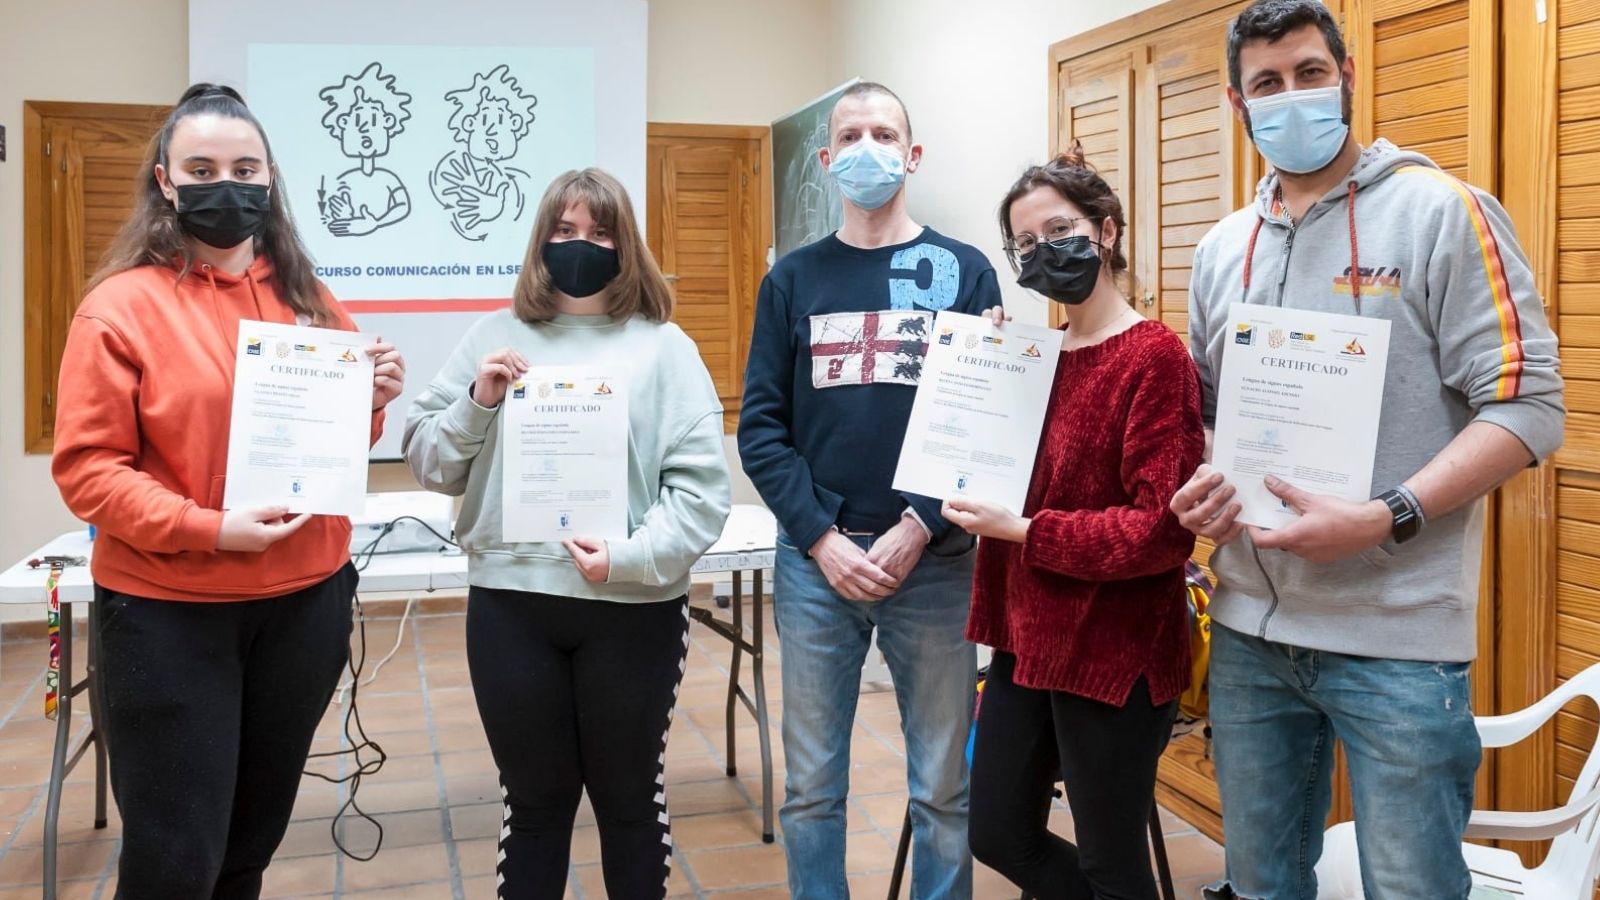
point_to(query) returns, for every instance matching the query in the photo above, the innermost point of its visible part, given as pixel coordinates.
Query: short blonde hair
(638, 289)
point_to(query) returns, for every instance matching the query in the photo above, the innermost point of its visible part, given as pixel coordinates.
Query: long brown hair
(152, 236)
(1071, 176)
(638, 288)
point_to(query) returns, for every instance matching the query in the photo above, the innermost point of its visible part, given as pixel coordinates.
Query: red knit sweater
(1095, 598)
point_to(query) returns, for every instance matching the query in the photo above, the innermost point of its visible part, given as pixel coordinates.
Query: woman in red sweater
(1082, 597)
(222, 633)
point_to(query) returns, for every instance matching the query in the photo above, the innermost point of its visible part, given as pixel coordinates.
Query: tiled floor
(439, 804)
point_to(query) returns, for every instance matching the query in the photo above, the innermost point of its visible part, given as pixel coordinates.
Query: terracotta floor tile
(755, 866)
(299, 877)
(722, 795)
(872, 886)
(382, 796)
(866, 852)
(717, 831)
(25, 865)
(477, 857)
(1193, 855)
(886, 811)
(416, 864)
(466, 763)
(400, 830)
(585, 845)
(476, 820)
(431, 890)
(477, 787)
(462, 737)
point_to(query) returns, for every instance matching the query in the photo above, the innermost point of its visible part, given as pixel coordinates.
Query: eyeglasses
(1056, 231)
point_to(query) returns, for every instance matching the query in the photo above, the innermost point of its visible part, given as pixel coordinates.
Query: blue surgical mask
(1299, 131)
(869, 173)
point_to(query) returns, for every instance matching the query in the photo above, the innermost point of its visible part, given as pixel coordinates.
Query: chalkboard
(806, 204)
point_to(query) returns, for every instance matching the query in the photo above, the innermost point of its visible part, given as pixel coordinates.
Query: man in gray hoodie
(1358, 621)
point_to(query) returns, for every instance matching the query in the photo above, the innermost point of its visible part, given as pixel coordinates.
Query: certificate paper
(565, 455)
(1299, 398)
(302, 418)
(975, 423)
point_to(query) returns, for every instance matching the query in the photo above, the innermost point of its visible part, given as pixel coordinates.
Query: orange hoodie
(141, 436)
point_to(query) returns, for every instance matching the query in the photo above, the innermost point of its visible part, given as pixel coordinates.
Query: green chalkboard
(806, 204)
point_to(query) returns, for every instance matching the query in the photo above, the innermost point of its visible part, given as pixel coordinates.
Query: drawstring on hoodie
(216, 301)
(1355, 253)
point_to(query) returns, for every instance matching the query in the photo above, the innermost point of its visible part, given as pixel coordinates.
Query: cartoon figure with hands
(365, 113)
(491, 119)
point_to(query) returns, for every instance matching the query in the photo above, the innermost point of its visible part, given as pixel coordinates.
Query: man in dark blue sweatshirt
(842, 326)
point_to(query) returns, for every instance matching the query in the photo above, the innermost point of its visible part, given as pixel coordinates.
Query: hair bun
(206, 89)
(1073, 156)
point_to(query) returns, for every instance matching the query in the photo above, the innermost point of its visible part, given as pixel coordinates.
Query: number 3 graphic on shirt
(931, 264)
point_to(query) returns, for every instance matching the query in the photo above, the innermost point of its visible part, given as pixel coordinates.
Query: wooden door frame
(37, 228)
(1526, 591)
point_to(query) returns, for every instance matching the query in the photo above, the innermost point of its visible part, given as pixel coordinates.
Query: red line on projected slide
(462, 304)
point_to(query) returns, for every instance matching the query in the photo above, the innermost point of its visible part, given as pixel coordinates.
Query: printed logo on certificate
(1299, 397)
(564, 456)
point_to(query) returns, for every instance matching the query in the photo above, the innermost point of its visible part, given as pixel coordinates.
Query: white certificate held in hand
(974, 429)
(302, 420)
(1299, 397)
(564, 459)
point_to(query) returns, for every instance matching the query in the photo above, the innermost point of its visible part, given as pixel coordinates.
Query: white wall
(974, 79)
(736, 62)
(108, 51)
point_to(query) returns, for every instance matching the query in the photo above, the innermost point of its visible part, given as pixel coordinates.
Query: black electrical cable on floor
(352, 718)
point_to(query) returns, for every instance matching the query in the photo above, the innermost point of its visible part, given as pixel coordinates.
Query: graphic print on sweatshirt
(868, 348)
(887, 347)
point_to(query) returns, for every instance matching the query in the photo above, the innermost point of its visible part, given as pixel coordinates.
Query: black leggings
(209, 713)
(577, 695)
(1106, 756)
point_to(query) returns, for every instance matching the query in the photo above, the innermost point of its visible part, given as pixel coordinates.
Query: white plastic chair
(1568, 872)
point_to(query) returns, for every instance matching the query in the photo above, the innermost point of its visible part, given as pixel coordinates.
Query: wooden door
(1577, 307)
(709, 230)
(1201, 162)
(80, 165)
(1095, 106)
(1551, 558)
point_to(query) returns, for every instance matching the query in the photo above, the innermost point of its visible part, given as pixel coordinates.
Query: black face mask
(580, 268)
(1065, 271)
(223, 214)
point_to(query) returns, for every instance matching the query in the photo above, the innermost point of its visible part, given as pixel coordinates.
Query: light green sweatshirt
(678, 490)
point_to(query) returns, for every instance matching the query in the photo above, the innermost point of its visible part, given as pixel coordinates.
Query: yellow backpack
(1195, 703)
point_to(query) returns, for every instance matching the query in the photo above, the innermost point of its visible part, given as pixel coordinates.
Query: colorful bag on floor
(1195, 703)
(52, 622)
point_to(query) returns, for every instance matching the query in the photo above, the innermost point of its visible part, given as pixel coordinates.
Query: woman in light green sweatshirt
(576, 648)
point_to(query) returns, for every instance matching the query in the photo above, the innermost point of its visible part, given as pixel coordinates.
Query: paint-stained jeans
(1413, 752)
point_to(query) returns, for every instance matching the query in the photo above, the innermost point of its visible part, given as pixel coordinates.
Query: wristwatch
(1407, 512)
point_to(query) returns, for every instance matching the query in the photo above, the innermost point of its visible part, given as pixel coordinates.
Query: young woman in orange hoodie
(222, 633)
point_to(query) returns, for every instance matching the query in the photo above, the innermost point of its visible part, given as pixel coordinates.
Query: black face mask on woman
(580, 268)
(1066, 270)
(223, 214)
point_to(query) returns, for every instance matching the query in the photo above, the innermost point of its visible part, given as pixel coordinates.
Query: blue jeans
(824, 638)
(1412, 748)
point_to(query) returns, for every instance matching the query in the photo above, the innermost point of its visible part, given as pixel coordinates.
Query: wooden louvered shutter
(79, 180)
(705, 233)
